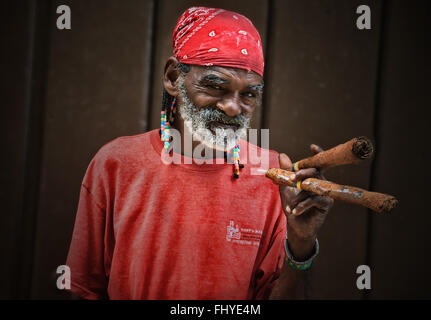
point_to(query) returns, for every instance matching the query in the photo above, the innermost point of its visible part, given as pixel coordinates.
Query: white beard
(198, 123)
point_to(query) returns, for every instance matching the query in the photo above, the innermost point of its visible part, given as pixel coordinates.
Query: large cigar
(352, 151)
(378, 202)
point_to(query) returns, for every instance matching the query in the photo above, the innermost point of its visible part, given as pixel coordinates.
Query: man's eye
(214, 86)
(249, 94)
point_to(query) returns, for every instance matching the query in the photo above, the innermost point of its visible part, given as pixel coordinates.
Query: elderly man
(147, 229)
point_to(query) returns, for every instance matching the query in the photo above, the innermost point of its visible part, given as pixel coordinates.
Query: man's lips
(219, 124)
(214, 125)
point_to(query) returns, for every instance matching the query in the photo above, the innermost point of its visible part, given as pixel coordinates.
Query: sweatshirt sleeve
(86, 253)
(93, 240)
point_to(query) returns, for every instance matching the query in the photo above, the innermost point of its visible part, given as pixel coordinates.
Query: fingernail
(294, 212)
(293, 177)
(288, 210)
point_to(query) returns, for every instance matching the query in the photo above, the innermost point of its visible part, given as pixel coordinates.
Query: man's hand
(305, 212)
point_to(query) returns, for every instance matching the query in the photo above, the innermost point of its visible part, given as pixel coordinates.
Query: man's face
(217, 103)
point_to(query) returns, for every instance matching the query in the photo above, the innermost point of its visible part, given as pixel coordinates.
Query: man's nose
(230, 106)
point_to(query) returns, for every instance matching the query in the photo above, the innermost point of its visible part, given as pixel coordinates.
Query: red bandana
(209, 36)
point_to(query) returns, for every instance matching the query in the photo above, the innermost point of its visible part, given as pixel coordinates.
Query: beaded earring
(236, 164)
(164, 124)
(236, 161)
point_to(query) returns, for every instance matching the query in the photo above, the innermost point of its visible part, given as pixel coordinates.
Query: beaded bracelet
(303, 265)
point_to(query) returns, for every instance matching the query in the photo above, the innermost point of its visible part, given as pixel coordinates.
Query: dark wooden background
(65, 93)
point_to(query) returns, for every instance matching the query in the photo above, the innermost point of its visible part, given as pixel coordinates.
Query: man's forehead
(226, 73)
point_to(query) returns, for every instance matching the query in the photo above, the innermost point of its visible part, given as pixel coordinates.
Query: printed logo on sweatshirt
(246, 236)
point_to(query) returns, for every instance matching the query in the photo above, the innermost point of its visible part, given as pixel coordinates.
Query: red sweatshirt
(147, 230)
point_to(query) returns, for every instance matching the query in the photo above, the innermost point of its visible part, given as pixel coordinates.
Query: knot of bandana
(209, 36)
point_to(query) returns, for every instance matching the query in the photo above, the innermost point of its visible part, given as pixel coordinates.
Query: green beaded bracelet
(303, 265)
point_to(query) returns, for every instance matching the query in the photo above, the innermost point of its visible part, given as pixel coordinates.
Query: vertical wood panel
(95, 93)
(400, 247)
(168, 14)
(15, 93)
(320, 89)
(24, 58)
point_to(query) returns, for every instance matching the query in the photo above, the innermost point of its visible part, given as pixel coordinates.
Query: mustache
(216, 115)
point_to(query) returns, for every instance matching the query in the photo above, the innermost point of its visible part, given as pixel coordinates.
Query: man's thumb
(285, 162)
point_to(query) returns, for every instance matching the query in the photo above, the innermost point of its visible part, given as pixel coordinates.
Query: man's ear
(170, 76)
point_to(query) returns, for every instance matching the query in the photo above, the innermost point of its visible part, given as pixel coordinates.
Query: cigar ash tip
(363, 148)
